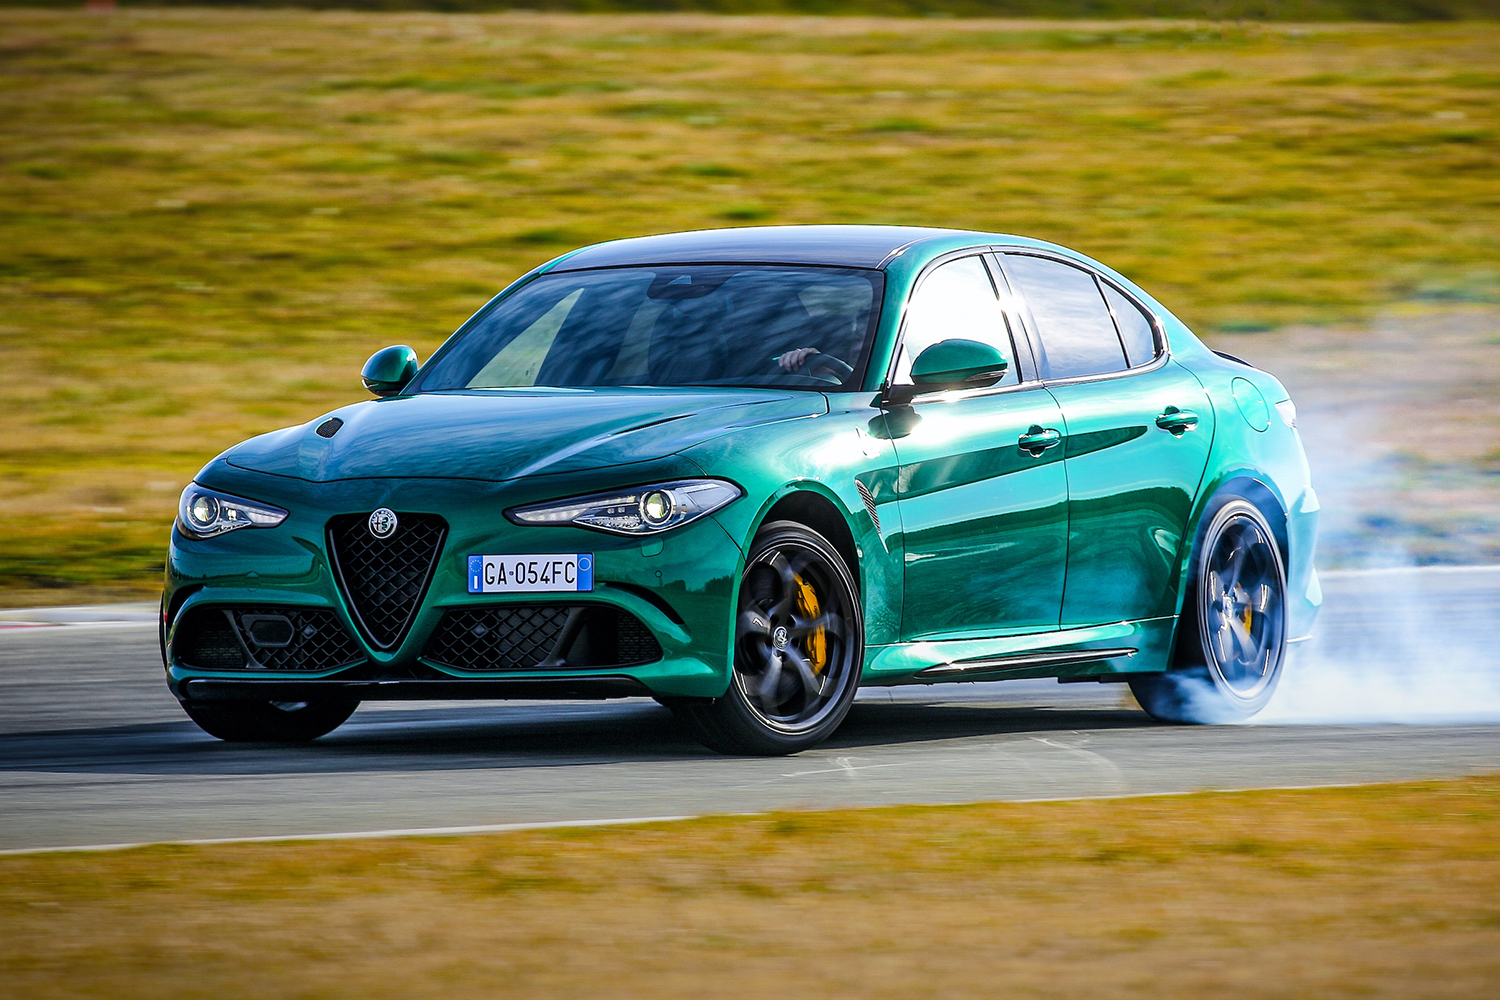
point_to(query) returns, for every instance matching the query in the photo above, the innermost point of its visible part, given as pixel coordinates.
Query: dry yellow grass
(1386, 891)
(208, 219)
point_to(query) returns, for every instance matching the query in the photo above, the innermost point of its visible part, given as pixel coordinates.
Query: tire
(1231, 645)
(798, 650)
(270, 721)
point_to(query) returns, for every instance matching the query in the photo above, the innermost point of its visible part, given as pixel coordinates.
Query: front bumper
(678, 585)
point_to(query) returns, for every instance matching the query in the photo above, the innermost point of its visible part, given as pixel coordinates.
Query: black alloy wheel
(1233, 644)
(270, 721)
(798, 650)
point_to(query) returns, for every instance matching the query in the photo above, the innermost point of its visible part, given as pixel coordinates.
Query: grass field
(208, 219)
(1385, 891)
(1214, 10)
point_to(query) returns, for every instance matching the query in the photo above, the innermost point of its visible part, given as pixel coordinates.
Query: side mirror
(952, 364)
(959, 364)
(388, 371)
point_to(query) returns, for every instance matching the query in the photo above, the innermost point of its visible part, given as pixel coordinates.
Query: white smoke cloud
(1416, 645)
(1399, 472)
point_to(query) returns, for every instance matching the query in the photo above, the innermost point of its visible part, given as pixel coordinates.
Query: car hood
(510, 433)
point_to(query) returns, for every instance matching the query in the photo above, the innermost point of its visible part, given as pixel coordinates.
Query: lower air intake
(264, 638)
(540, 636)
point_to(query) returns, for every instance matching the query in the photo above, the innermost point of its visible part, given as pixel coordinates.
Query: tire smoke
(1417, 645)
(1397, 421)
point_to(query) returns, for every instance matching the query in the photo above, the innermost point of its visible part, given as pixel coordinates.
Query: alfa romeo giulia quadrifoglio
(746, 472)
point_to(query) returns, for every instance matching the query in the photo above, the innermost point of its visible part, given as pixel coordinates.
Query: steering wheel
(834, 371)
(837, 370)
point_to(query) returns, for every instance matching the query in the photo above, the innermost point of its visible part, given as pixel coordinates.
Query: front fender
(830, 456)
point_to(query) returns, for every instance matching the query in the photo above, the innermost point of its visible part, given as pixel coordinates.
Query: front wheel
(270, 721)
(798, 650)
(1233, 638)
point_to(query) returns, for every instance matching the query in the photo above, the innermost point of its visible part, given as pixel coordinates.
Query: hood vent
(385, 579)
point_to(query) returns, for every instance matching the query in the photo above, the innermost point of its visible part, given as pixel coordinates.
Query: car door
(1138, 430)
(984, 518)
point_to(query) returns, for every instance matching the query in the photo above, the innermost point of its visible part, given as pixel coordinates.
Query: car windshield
(708, 325)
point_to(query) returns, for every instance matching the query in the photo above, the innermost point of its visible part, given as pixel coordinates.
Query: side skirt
(1098, 652)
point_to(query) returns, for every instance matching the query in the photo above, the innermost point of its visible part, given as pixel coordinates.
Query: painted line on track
(434, 831)
(1338, 574)
(461, 831)
(71, 626)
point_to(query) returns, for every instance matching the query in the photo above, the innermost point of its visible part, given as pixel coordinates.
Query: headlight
(641, 511)
(204, 513)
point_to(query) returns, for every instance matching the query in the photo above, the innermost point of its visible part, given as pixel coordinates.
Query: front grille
(526, 636)
(267, 638)
(384, 579)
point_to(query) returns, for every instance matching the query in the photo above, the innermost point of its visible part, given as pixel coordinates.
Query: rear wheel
(1233, 641)
(798, 650)
(270, 721)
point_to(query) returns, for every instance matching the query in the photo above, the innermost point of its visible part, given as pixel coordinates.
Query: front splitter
(256, 689)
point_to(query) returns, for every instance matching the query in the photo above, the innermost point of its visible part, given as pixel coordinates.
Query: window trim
(1158, 328)
(1028, 374)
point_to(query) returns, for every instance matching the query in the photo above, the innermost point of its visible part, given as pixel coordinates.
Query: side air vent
(385, 579)
(869, 499)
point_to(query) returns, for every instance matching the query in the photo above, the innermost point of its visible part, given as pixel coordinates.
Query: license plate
(531, 574)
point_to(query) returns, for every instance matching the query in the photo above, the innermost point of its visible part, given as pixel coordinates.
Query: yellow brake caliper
(816, 645)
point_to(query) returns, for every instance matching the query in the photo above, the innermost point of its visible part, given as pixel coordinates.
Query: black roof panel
(846, 246)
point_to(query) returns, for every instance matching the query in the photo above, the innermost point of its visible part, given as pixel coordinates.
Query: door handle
(1038, 439)
(1177, 421)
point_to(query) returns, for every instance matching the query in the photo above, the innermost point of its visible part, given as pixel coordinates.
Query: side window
(956, 301)
(1135, 329)
(1077, 334)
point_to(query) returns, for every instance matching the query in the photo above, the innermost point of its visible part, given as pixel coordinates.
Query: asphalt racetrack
(93, 750)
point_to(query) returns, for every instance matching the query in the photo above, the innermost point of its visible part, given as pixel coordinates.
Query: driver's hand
(792, 360)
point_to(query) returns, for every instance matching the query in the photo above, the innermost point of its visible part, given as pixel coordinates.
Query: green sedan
(745, 472)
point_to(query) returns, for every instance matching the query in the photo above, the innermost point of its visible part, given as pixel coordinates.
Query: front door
(984, 518)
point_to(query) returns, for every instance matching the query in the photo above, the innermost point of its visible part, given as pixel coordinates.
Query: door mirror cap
(951, 364)
(959, 364)
(390, 370)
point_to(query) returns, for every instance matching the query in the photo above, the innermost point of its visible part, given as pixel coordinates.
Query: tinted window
(1077, 335)
(681, 325)
(1135, 328)
(956, 301)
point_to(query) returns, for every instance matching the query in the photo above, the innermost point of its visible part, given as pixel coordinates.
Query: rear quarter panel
(1246, 451)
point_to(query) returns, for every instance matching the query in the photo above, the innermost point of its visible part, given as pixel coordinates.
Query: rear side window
(1135, 329)
(1077, 334)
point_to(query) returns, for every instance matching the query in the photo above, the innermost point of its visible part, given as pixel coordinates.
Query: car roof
(841, 246)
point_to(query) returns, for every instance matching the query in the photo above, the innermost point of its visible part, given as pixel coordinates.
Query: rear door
(984, 519)
(1138, 430)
